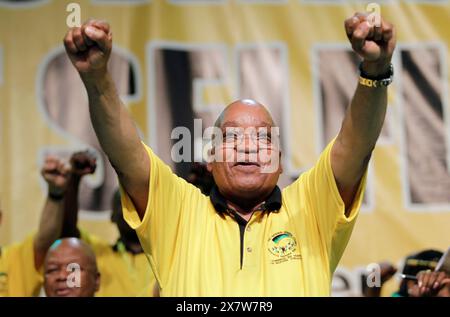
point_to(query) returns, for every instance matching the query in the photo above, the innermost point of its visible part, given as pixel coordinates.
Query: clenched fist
(56, 174)
(375, 44)
(83, 163)
(89, 47)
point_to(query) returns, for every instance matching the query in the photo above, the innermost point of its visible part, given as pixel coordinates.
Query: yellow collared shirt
(18, 276)
(195, 251)
(122, 273)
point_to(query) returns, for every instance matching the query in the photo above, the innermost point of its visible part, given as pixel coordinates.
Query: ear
(97, 282)
(281, 164)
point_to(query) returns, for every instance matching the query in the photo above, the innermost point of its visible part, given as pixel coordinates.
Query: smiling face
(252, 166)
(60, 278)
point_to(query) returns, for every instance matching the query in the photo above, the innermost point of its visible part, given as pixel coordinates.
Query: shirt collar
(272, 203)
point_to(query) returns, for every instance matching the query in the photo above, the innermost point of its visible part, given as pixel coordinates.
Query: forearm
(363, 121)
(50, 227)
(112, 123)
(118, 137)
(69, 226)
(357, 138)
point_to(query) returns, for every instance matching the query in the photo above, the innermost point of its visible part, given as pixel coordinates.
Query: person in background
(201, 178)
(21, 263)
(70, 270)
(420, 264)
(124, 267)
(387, 271)
(431, 284)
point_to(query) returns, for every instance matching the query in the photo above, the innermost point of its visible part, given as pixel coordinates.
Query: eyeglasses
(260, 137)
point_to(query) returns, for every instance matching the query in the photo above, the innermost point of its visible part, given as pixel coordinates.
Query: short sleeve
(318, 188)
(172, 204)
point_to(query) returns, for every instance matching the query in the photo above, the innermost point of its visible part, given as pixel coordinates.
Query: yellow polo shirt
(123, 274)
(18, 276)
(195, 251)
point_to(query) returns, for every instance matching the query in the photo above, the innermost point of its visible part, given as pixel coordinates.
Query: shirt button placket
(249, 247)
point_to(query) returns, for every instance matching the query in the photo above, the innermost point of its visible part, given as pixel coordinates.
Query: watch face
(386, 82)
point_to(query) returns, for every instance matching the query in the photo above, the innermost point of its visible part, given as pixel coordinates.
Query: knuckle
(67, 41)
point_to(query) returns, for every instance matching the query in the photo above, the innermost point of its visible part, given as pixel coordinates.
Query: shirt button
(249, 229)
(249, 249)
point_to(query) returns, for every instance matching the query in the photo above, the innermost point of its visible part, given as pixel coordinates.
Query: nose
(247, 145)
(247, 150)
(62, 276)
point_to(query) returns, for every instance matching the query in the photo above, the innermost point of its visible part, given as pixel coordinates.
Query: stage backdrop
(175, 60)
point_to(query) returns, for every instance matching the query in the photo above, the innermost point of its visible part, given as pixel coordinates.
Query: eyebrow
(52, 263)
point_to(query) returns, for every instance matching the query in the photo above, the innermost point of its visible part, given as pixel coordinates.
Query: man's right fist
(56, 174)
(89, 46)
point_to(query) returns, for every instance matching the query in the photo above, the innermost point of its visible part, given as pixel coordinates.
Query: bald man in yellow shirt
(124, 267)
(249, 238)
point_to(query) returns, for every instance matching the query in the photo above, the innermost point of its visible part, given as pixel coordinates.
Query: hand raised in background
(56, 173)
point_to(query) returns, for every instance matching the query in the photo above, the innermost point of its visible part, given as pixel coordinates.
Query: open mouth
(246, 164)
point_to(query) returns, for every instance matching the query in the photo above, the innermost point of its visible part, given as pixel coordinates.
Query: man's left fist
(375, 44)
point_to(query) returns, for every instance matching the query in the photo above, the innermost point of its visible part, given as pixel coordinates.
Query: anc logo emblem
(282, 244)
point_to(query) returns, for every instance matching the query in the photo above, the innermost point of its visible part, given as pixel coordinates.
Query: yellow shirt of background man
(194, 251)
(122, 273)
(18, 276)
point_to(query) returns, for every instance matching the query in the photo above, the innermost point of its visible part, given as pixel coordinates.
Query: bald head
(73, 246)
(245, 106)
(71, 269)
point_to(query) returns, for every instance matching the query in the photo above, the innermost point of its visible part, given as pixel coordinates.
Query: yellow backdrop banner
(292, 55)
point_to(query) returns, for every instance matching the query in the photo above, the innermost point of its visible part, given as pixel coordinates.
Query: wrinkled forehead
(64, 253)
(244, 116)
(69, 250)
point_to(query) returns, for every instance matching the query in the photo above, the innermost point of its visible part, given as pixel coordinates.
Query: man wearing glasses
(248, 238)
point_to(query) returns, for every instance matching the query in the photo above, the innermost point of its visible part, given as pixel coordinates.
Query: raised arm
(365, 116)
(56, 174)
(89, 48)
(82, 163)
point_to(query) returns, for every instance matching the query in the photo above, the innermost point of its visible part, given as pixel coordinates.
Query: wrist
(56, 193)
(378, 69)
(56, 196)
(99, 84)
(376, 75)
(75, 179)
(94, 77)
